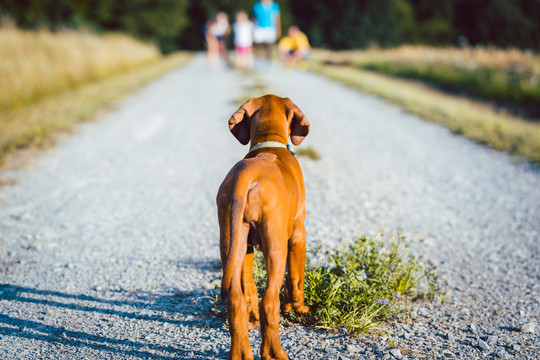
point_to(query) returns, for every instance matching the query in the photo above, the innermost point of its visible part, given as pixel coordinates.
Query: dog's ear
(299, 123)
(240, 121)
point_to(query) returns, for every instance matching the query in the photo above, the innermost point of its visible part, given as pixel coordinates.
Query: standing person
(267, 16)
(221, 30)
(243, 40)
(212, 44)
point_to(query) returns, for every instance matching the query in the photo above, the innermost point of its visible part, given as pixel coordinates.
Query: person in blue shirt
(267, 19)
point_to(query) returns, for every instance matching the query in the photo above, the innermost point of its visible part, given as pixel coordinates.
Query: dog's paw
(301, 309)
(287, 308)
(298, 307)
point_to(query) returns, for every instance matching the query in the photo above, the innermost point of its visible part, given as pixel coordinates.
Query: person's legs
(212, 51)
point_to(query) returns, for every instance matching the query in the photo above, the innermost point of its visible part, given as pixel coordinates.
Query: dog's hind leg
(296, 260)
(236, 304)
(275, 255)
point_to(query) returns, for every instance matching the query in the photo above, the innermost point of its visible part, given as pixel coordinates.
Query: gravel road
(109, 242)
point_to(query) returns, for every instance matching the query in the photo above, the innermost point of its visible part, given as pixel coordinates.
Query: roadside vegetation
(35, 64)
(52, 81)
(490, 72)
(505, 76)
(356, 288)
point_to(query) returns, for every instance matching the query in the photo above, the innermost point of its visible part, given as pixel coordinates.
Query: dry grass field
(49, 82)
(35, 64)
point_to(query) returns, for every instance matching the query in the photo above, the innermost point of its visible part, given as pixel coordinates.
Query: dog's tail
(238, 241)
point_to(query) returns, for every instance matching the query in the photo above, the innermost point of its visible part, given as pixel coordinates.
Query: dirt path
(108, 240)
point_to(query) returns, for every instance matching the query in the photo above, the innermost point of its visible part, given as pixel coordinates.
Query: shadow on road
(176, 307)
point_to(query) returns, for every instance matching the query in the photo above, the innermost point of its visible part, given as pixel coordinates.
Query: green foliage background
(337, 24)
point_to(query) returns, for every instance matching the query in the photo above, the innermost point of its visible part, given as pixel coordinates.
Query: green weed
(361, 286)
(309, 152)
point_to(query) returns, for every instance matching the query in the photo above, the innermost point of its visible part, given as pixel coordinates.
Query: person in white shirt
(243, 41)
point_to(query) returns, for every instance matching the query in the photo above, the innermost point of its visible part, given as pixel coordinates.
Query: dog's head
(269, 118)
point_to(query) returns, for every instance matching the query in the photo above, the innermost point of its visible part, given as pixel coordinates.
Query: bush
(368, 282)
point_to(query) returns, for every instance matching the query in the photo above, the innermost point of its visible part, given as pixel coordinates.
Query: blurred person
(216, 31)
(212, 44)
(267, 18)
(294, 48)
(221, 30)
(243, 41)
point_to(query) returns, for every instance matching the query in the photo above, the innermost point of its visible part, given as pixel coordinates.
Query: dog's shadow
(106, 310)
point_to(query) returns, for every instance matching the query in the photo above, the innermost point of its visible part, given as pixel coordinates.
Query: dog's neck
(269, 144)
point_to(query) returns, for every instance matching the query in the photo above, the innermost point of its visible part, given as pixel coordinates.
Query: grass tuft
(308, 151)
(361, 286)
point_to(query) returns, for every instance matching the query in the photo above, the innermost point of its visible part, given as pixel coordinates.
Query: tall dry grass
(34, 64)
(467, 58)
(505, 75)
(37, 68)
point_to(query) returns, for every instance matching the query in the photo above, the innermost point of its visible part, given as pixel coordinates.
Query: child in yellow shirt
(294, 48)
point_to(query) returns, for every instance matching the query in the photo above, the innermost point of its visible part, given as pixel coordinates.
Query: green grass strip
(462, 116)
(488, 83)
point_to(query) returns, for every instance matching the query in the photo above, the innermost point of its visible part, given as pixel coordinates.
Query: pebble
(528, 328)
(423, 312)
(483, 345)
(473, 328)
(448, 353)
(396, 353)
(492, 340)
(450, 337)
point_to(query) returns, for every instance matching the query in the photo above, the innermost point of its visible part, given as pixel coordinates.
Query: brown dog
(261, 204)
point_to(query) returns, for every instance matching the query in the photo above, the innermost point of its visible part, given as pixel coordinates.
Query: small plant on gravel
(355, 288)
(358, 287)
(309, 152)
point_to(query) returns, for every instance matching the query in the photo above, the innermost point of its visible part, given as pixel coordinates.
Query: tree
(346, 24)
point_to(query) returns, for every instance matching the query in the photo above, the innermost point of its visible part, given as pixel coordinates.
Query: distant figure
(216, 31)
(243, 41)
(212, 44)
(267, 16)
(222, 30)
(294, 48)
